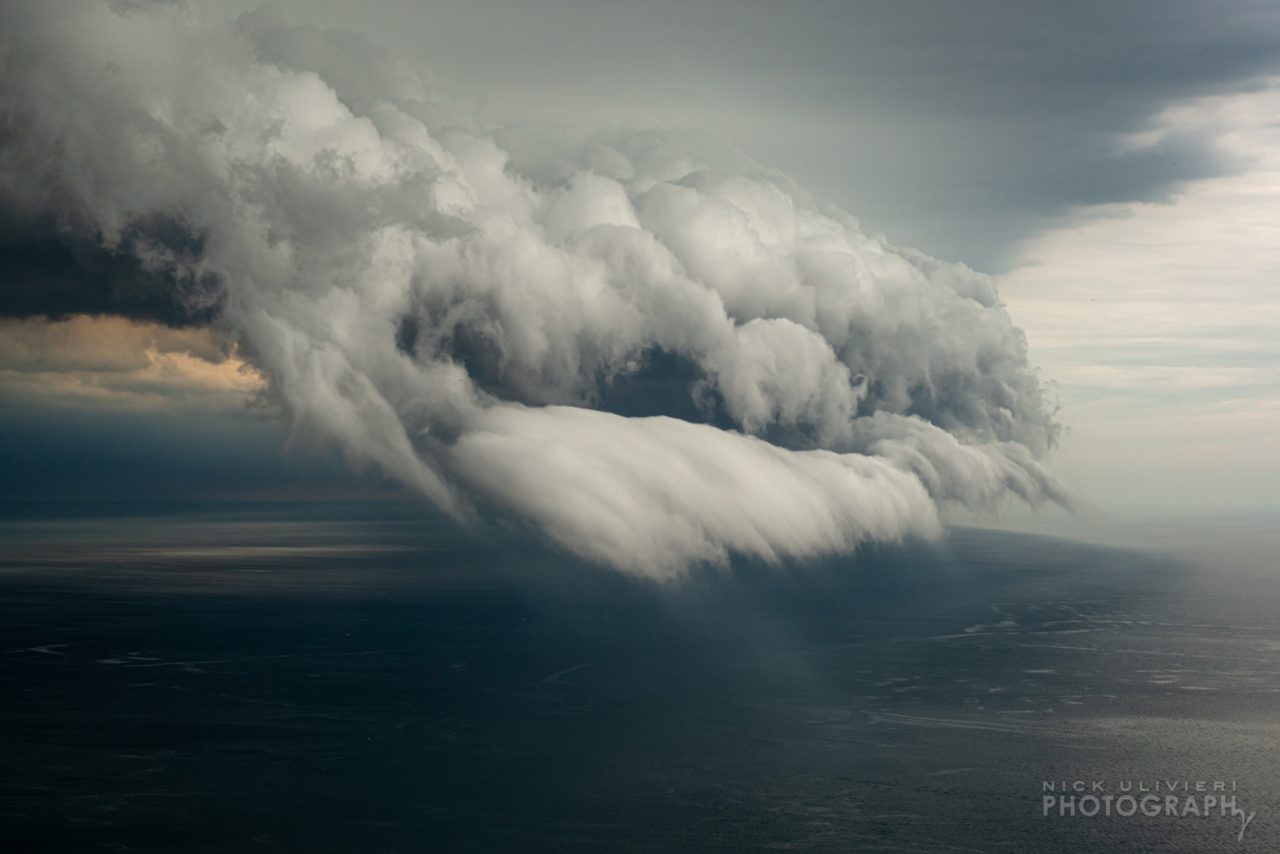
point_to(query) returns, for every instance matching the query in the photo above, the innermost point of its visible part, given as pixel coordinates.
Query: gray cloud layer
(458, 307)
(959, 127)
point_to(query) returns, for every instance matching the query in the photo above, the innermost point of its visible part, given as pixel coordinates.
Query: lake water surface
(321, 678)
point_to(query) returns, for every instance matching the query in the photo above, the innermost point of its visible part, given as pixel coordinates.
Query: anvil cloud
(507, 323)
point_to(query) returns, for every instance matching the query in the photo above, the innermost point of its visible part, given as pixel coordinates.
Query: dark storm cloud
(53, 271)
(453, 305)
(996, 118)
(1046, 92)
(959, 126)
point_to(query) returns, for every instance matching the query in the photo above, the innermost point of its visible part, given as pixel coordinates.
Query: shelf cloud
(654, 350)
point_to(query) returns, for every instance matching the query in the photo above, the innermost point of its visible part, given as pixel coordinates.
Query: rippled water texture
(334, 678)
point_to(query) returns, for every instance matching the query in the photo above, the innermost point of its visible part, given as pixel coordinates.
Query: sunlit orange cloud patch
(117, 362)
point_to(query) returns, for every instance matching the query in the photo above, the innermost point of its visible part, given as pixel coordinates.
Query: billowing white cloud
(454, 304)
(654, 494)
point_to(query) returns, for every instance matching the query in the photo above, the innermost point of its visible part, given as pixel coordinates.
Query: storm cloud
(467, 308)
(960, 128)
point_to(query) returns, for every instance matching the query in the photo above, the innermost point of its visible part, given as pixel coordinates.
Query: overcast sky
(1113, 166)
(958, 128)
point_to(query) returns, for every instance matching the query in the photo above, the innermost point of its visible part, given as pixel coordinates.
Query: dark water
(361, 678)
